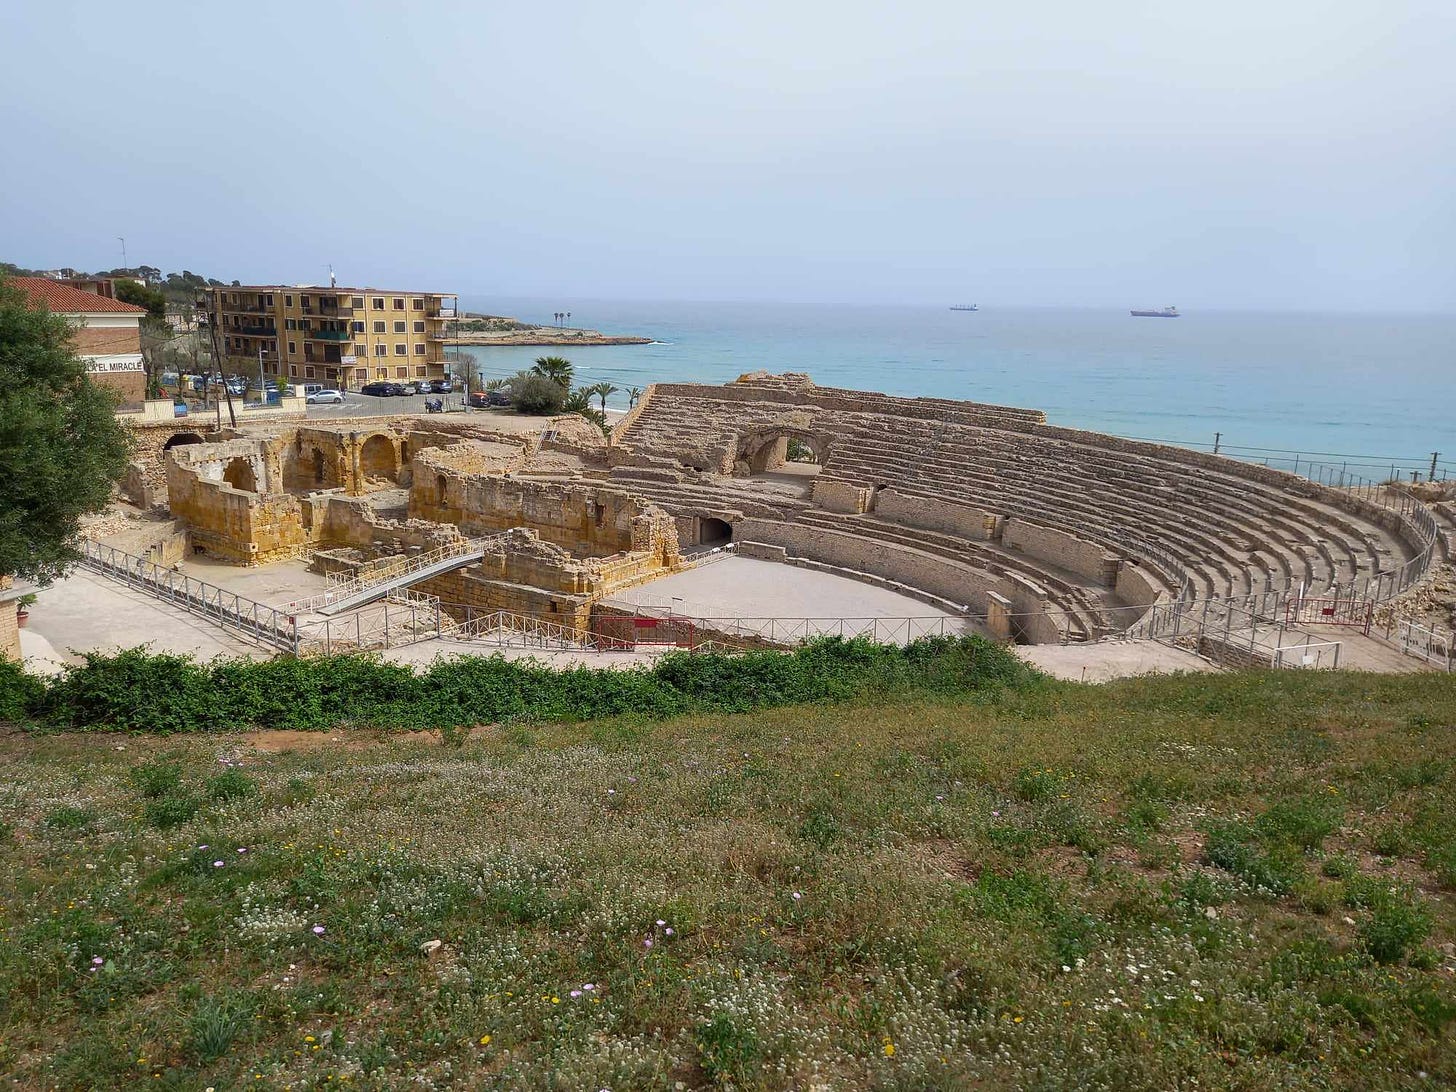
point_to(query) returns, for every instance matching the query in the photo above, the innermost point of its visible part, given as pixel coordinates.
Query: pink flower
(241, 850)
(660, 922)
(588, 985)
(319, 930)
(575, 993)
(96, 959)
(218, 864)
(647, 942)
(797, 896)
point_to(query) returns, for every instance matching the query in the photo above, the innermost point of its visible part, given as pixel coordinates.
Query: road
(366, 405)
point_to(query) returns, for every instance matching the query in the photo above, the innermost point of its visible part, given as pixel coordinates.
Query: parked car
(381, 389)
(478, 399)
(436, 386)
(325, 397)
(498, 398)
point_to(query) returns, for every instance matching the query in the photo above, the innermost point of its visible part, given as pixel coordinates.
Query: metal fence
(1436, 647)
(258, 621)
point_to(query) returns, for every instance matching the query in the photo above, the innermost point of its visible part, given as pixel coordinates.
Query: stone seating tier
(1231, 528)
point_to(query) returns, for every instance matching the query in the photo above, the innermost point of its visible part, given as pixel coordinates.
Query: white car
(325, 398)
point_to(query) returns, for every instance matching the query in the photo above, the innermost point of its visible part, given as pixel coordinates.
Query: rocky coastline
(475, 329)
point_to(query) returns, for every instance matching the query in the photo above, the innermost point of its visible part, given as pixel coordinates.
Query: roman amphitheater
(959, 516)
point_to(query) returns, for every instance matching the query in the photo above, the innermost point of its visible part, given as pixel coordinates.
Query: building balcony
(245, 308)
(255, 331)
(442, 314)
(327, 335)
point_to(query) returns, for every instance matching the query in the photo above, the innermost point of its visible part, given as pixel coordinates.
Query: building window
(381, 350)
(307, 373)
(305, 302)
(401, 349)
(293, 371)
(377, 302)
(420, 349)
(379, 327)
(361, 373)
(358, 301)
(292, 347)
(421, 370)
(399, 303)
(381, 373)
(401, 373)
(290, 324)
(270, 299)
(358, 327)
(418, 303)
(419, 327)
(287, 301)
(399, 327)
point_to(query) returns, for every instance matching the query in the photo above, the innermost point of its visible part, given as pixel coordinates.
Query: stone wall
(1058, 548)
(232, 524)
(933, 514)
(9, 627)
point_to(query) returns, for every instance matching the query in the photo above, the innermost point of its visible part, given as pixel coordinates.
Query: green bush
(1236, 848)
(231, 785)
(171, 810)
(19, 692)
(139, 692)
(1396, 923)
(536, 395)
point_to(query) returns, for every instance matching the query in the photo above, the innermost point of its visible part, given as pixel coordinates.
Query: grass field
(1235, 881)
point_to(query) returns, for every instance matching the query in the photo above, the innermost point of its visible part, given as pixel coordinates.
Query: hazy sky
(1270, 154)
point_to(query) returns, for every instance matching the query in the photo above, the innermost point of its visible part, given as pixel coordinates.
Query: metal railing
(267, 625)
(1436, 647)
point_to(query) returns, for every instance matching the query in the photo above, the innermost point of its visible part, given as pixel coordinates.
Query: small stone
(430, 947)
(1210, 913)
(1348, 920)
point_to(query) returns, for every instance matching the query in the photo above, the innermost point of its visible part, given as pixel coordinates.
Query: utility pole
(217, 366)
(1217, 437)
(124, 266)
(1435, 455)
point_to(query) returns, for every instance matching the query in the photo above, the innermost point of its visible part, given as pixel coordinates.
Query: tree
(535, 394)
(633, 394)
(555, 368)
(156, 331)
(61, 449)
(603, 391)
(463, 365)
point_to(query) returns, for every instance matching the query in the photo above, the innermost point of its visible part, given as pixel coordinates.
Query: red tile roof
(62, 299)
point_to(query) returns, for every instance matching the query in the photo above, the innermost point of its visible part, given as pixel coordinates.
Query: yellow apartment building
(340, 337)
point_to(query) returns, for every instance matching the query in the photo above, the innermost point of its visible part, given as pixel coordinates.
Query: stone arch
(180, 438)
(379, 458)
(318, 467)
(767, 449)
(713, 531)
(239, 474)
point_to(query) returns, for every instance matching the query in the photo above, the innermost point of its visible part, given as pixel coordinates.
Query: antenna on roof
(332, 283)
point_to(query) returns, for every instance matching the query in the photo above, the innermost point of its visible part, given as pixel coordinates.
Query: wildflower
(309, 1039)
(797, 896)
(242, 849)
(660, 922)
(319, 930)
(485, 1040)
(218, 864)
(647, 942)
(575, 993)
(96, 959)
(888, 1049)
(611, 792)
(588, 985)
(668, 930)
(555, 1000)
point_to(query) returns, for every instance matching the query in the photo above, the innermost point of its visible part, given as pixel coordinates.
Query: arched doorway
(239, 474)
(180, 438)
(774, 449)
(378, 459)
(714, 532)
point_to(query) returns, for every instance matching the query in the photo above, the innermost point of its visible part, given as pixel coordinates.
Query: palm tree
(555, 368)
(579, 401)
(633, 393)
(494, 385)
(568, 316)
(603, 391)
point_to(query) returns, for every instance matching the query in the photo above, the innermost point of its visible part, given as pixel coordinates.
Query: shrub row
(137, 691)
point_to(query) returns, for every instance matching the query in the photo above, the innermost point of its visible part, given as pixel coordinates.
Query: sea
(1368, 389)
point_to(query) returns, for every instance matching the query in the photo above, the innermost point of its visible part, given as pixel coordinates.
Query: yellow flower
(485, 1040)
(556, 1000)
(1018, 1019)
(308, 1038)
(889, 1049)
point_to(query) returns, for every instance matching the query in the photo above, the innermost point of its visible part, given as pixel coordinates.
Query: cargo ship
(965, 307)
(1166, 312)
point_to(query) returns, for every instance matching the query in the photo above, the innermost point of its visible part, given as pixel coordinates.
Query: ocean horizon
(1378, 387)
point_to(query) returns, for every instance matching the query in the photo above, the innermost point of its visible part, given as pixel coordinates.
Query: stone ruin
(1036, 533)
